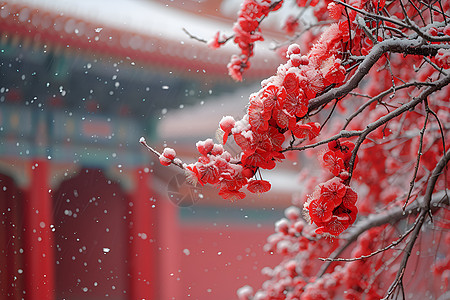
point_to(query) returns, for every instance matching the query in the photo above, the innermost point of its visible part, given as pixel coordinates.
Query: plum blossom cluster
(217, 167)
(275, 113)
(167, 156)
(300, 247)
(347, 33)
(337, 158)
(246, 33)
(295, 277)
(394, 149)
(332, 205)
(291, 234)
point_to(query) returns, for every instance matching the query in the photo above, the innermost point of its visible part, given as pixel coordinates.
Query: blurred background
(86, 211)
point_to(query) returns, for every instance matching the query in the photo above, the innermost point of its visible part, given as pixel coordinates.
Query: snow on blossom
(214, 42)
(227, 124)
(443, 58)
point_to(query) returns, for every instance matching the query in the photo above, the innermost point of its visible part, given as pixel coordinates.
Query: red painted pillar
(170, 250)
(142, 243)
(38, 250)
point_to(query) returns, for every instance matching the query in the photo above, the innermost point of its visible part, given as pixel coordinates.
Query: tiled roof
(146, 32)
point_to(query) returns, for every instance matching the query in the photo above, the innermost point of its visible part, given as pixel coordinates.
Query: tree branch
(405, 107)
(392, 216)
(177, 162)
(419, 154)
(381, 96)
(408, 249)
(393, 244)
(394, 45)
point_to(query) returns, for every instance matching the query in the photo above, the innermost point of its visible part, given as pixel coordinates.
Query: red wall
(217, 260)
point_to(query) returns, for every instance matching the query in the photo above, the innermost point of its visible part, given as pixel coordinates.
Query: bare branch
(425, 209)
(393, 244)
(381, 96)
(405, 107)
(392, 45)
(194, 37)
(398, 280)
(419, 154)
(342, 134)
(365, 13)
(440, 70)
(442, 163)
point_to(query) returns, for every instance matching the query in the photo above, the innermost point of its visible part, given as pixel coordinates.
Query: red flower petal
(334, 10)
(209, 173)
(291, 83)
(283, 118)
(301, 130)
(258, 186)
(165, 161)
(241, 141)
(233, 195)
(270, 96)
(204, 147)
(320, 210)
(315, 130)
(257, 117)
(276, 138)
(333, 161)
(335, 227)
(349, 198)
(192, 175)
(333, 190)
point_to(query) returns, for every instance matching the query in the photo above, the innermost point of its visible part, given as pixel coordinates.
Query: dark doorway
(11, 239)
(91, 230)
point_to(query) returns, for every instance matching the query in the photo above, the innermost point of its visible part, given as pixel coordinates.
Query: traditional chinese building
(85, 211)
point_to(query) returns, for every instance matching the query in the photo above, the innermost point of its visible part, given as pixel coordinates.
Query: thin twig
(330, 114)
(440, 70)
(441, 130)
(418, 11)
(391, 216)
(177, 162)
(393, 244)
(419, 155)
(194, 37)
(408, 249)
(380, 17)
(425, 209)
(381, 121)
(381, 96)
(391, 45)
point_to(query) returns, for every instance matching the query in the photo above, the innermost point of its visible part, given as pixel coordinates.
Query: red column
(142, 254)
(170, 250)
(38, 250)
